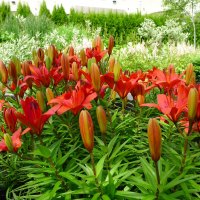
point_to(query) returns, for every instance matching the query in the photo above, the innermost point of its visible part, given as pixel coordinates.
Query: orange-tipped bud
(75, 71)
(12, 71)
(17, 63)
(8, 142)
(154, 137)
(10, 119)
(86, 129)
(110, 45)
(116, 71)
(111, 64)
(140, 99)
(193, 98)
(83, 58)
(71, 51)
(25, 68)
(40, 55)
(113, 95)
(3, 73)
(95, 76)
(90, 62)
(101, 118)
(85, 69)
(40, 100)
(49, 94)
(65, 66)
(189, 74)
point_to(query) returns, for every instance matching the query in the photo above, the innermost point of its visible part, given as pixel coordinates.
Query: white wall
(129, 6)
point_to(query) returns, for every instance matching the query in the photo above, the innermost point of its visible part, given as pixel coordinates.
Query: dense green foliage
(23, 9)
(4, 11)
(59, 15)
(44, 10)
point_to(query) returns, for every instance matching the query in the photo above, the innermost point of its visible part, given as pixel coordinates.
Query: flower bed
(70, 132)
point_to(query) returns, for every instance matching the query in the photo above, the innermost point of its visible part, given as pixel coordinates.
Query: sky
(145, 6)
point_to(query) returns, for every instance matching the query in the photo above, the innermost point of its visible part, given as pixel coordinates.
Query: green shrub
(23, 9)
(38, 24)
(4, 11)
(59, 15)
(44, 10)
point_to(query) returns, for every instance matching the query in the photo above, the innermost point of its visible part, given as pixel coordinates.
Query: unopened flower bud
(111, 64)
(189, 74)
(116, 71)
(140, 99)
(71, 51)
(10, 119)
(8, 142)
(95, 76)
(12, 71)
(101, 118)
(110, 45)
(3, 73)
(40, 100)
(193, 98)
(40, 55)
(75, 71)
(83, 58)
(86, 129)
(154, 137)
(90, 62)
(65, 66)
(49, 94)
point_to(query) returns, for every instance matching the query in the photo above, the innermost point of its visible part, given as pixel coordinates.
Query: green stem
(158, 179)
(186, 147)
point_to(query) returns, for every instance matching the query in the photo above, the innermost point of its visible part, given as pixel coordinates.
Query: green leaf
(100, 164)
(105, 197)
(55, 189)
(96, 196)
(42, 151)
(71, 178)
(131, 195)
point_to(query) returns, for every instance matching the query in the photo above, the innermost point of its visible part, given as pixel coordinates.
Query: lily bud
(83, 58)
(71, 51)
(101, 118)
(49, 94)
(111, 64)
(10, 119)
(90, 62)
(140, 99)
(48, 62)
(113, 95)
(193, 98)
(110, 45)
(40, 100)
(17, 63)
(12, 71)
(40, 55)
(95, 76)
(85, 69)
(50, 52)
(116, 71)
(154, 137)
(3, 73)
(86, 129)
(189, 74)
(65, 66)
(8, 142)
(75, 71)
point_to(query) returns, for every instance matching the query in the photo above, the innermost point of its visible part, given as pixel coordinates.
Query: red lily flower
(33, 117)
(40, 76)
(95, 52)
(166, 79)
(123, 86)
(74, 100)
(170, 107)
(10, 118)
(16, 140)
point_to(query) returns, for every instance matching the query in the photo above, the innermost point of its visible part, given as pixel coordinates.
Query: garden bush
(44, 10)
(23, 10)
(59, 15)
(74, 125)
(4, 11)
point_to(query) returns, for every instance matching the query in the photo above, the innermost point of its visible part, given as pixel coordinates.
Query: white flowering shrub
(171, 32)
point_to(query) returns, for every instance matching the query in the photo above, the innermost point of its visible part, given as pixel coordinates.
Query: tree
(59, 15)
(23, 9)
(44, 10)
(186, 7)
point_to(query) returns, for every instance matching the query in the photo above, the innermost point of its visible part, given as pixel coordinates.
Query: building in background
(126, 6)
